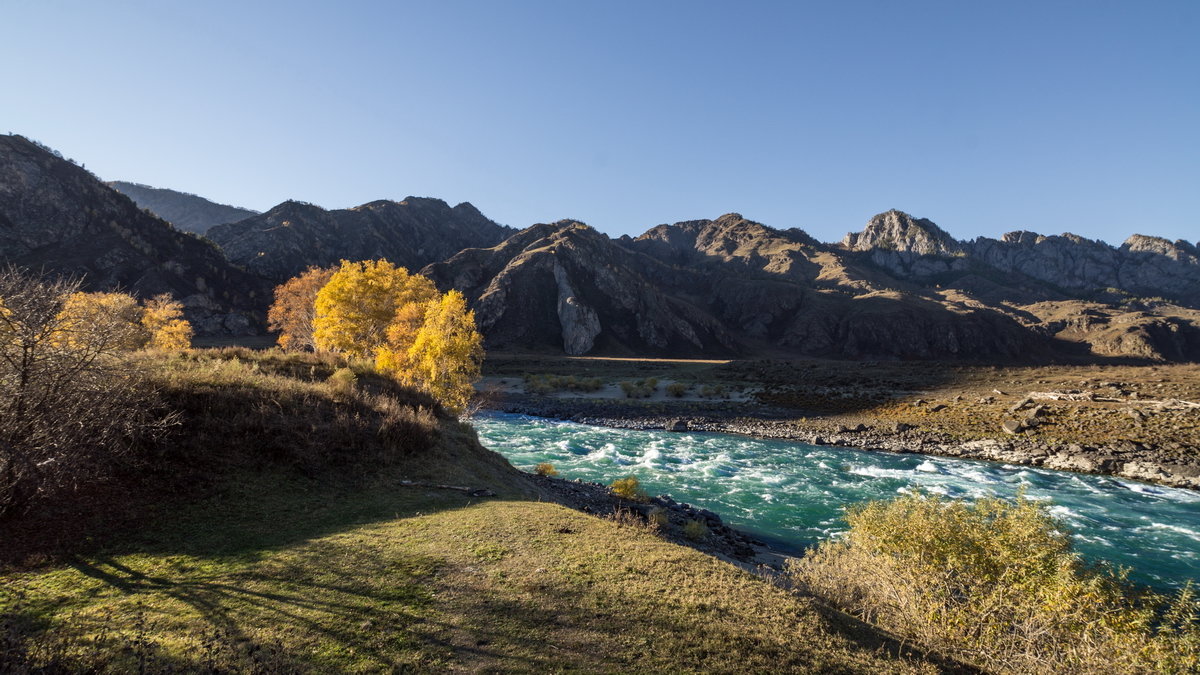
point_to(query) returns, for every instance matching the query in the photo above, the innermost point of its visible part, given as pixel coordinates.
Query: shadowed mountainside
(187, 212)
(724, 287)
(289, 238)
(58, 217)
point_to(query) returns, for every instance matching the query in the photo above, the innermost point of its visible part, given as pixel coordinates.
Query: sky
(985, 117)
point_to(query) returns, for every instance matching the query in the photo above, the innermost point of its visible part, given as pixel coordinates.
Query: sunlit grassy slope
(279, 570)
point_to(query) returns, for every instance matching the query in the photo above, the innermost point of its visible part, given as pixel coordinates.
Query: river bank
(1171, 466)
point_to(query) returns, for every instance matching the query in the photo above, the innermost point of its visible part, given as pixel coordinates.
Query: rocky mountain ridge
(59, 218)
(188, 212)
(415, 232)
(901, 288)
(1143, 266)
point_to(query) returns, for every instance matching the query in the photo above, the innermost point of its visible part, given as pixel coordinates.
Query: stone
(1012, 427)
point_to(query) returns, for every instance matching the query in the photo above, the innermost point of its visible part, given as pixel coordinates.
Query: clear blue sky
(983, 116)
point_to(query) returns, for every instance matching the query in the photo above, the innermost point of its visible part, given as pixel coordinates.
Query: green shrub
(545, 469)
(677, 389)
(714, 391)
(546, 384)
(997, 584)
(695, 530)
(640, 388)
(629, 488)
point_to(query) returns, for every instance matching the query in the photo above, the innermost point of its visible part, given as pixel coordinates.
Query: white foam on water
(1190, 534)
(880, 472)
(928, 467)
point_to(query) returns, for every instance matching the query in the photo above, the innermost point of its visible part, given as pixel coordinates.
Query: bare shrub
(997, 584)
(71, 407)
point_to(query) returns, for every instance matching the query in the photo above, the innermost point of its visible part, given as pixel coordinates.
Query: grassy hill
(281, 529)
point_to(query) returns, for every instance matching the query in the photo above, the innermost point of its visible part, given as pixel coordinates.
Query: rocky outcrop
(57, 217)
(293, 236)
(187, 212)
(564, 286)
(918, 250)
(579, 323)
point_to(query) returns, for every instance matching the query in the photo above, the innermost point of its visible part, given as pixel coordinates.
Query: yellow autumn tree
(294, 310)
(444, 355)
(360, 301)
(103, 321)
(163, 319)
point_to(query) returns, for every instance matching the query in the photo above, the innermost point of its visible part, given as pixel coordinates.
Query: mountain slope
(566, 286)
(187, 212)
(57, 217)
(289, 238)
(723, 287)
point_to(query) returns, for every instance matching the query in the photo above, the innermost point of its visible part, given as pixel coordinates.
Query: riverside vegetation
(282, 512)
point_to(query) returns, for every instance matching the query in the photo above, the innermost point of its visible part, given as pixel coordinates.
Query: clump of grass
(997, 584)
(677, 389)
(545, 469)
(629, 487)
(640, 388)
(342, 382)
(695, 530)
(714, 391)
(658, 518)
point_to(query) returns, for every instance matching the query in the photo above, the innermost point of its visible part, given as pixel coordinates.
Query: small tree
(163, 320)
(445, 353)
(294, 310)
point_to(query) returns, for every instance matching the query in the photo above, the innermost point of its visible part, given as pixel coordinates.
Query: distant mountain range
(187, 212)
(900, 288)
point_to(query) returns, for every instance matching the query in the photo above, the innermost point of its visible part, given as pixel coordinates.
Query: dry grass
(349, 566)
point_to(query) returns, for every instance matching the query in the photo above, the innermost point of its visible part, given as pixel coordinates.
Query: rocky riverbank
(1171, 466)
(671, 519)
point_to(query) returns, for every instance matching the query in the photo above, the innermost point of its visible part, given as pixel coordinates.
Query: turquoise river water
(792, 494)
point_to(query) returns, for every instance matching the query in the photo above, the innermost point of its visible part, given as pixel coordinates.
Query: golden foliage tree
(163, 320)
(294, 310)
(103, 320)
(444, 355)
(360, 301)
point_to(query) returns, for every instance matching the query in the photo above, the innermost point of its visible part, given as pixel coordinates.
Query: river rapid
(793, 494)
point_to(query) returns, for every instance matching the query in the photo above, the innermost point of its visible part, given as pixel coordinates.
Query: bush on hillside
(71, 407)
(545, 469)
(997, 584)
(629, 488)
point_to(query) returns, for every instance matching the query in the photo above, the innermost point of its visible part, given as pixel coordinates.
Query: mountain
(565, 286)
(56, 216)
(719, 288)
(187, 212)
(1065, 265)
(415, 232)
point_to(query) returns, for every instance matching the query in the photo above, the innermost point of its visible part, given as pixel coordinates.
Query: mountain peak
(896, 230)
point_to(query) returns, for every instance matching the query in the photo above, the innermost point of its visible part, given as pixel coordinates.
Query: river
(793, 494)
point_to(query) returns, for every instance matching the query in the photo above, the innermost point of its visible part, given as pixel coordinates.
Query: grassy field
(284, 563)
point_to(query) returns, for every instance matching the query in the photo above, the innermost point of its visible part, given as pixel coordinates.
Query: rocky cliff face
(918, 250)
(57, 217)
(289, 238)
(564, 286)
(186, 212)
(721, 287)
